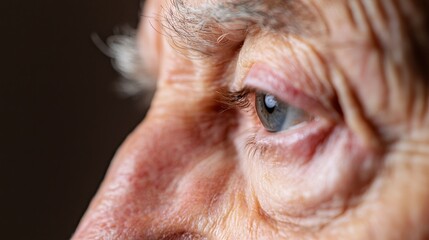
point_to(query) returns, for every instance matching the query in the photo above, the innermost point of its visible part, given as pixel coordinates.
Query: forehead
(198, 22)
(396, 28)
(297, 16)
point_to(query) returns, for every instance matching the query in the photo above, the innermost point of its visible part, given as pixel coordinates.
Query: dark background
(61, 119)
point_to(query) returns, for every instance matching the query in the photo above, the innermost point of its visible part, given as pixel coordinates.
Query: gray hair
(198, 30)
(135, 81)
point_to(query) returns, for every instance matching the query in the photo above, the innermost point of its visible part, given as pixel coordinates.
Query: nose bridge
(141, 187)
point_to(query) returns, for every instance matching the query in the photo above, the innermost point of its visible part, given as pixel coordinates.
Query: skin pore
(202, 166)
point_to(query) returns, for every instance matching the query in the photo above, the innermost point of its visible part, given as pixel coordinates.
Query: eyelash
(241, 100)
(237, 99)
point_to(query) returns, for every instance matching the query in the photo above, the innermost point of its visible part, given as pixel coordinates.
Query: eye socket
(278, 116)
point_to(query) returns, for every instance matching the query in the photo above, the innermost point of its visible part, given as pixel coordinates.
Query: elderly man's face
(276, 119)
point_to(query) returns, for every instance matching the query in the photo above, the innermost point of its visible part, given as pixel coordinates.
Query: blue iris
(276, 115)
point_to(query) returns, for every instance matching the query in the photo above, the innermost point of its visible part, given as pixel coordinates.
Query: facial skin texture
(199, 167)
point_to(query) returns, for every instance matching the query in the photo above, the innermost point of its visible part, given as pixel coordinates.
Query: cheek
(166, 176)
(312, 192)
(396, 204)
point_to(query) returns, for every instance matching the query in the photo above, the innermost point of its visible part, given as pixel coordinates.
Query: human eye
(298, 144)
(279, 112)
(276, 115)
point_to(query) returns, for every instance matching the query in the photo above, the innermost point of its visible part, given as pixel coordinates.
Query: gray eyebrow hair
(202, 29)
(205, 27)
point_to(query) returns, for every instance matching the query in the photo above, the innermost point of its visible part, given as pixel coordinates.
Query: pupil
(270, 103)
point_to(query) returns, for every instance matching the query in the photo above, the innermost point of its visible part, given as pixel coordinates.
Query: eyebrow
(205, 27)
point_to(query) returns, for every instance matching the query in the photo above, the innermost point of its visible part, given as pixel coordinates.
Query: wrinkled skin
(360, 171)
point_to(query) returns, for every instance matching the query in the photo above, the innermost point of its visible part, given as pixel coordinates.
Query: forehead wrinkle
(205, 27)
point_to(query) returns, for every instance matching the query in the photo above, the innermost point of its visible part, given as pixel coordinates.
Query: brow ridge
(206, 27)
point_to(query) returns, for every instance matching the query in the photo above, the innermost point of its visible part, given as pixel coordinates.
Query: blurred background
(61, 119)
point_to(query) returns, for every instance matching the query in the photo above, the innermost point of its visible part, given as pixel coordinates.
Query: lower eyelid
(297, 145)
(305, 135)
